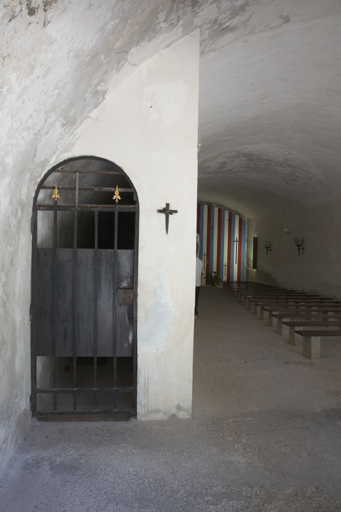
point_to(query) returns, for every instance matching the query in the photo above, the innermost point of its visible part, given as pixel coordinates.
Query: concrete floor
(265, 435)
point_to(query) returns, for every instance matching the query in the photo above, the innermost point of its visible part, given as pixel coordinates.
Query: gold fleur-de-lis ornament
(116, 196)
(56, 194)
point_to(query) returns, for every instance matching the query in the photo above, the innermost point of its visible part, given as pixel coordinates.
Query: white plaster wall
(37, 123)
(14, 317)
(319, 267)
(148, 126)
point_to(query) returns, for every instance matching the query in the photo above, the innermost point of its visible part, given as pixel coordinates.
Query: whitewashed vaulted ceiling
(270, 85)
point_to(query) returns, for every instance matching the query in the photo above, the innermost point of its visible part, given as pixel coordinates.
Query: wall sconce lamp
(268, 246)
(299, 242)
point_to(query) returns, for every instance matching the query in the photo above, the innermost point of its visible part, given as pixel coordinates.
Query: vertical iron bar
(54, 296)
(95, 307)
(74, 308)
(33, 320)
(115, 309)
(77, 188)
(74, 297)
(134, 348)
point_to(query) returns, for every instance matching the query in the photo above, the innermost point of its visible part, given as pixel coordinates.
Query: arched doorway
(84, 292)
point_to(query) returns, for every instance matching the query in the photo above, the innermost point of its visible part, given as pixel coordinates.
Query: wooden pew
(268, 306)
(330, 321)
(312, 340)
(249, 290)
(240, 289)
(301, 312)
(274, 298)
(297, 303)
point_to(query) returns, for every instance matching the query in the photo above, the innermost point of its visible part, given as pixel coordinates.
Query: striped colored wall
(222, 242)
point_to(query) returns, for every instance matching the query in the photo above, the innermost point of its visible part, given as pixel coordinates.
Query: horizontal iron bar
(89, 207)
(97, 411)
(100, 189)
(71, 171)
(105, 413)
(85, 390)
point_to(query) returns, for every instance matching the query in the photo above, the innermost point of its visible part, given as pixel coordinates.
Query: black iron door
(84, 292)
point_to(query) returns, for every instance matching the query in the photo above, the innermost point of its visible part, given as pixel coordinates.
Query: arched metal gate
(84, 292)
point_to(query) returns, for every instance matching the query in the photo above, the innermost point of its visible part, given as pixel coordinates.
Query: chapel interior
(134, 135)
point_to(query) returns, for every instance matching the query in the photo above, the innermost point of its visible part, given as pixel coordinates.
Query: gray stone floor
(265, 435)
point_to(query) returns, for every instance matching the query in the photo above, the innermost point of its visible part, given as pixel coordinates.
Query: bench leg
(266, 316)
(312, 346)
(270, 319)
(292, 335)
(279, 326)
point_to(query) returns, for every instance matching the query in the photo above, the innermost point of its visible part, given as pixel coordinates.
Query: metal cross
(236, 242)
(167, 212)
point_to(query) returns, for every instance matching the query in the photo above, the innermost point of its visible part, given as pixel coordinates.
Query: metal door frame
(95, 414)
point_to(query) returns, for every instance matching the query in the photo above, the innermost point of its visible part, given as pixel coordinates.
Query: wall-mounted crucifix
(167, 212)
(236, 242)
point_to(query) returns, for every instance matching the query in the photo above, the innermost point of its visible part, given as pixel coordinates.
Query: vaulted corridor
(224, 117)
(265, 435)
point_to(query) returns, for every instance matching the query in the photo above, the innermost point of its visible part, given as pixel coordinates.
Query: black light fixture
(268, 246)
(299, 242)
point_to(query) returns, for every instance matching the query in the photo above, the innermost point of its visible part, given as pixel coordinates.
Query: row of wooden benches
(311, 316)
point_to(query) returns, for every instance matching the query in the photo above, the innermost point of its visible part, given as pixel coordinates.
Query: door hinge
(31, 313)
